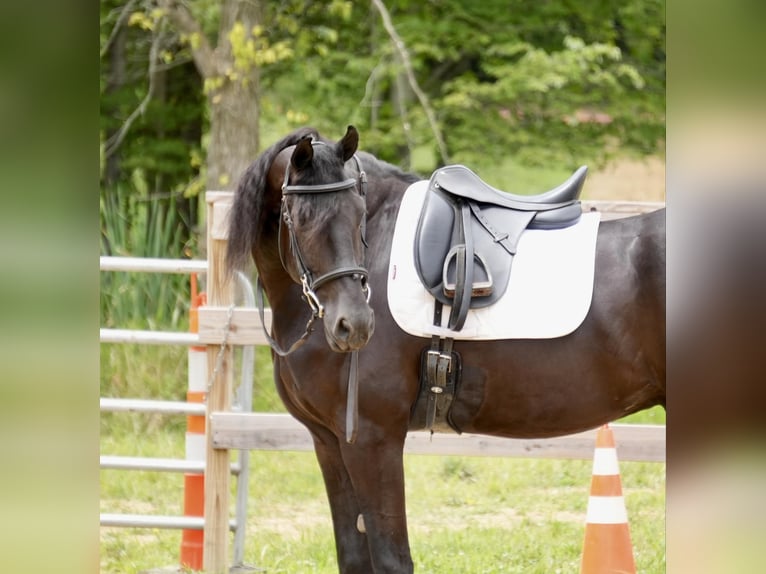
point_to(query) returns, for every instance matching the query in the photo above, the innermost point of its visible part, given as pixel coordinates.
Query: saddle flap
(433, 238)
(436, 245)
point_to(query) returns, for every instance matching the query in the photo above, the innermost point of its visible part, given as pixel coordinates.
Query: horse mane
(382, 169)
(249, 199)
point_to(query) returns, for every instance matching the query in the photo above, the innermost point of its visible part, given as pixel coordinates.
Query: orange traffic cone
(607, 548)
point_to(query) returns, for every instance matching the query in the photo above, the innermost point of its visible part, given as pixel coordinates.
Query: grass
(466, 514)
(133, 225)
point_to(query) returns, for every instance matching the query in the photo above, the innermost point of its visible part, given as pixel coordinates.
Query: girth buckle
(438, 359)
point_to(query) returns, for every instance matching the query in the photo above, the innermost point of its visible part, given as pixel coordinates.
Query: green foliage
(164, 137)
(136, 226)
(550, 84)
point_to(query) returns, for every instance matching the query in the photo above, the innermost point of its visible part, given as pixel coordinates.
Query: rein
(310, 284)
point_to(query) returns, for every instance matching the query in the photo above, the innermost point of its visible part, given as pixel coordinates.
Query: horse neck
(282, 292)
(383, 199)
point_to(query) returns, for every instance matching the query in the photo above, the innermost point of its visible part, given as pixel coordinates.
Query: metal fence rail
(114, 405)
(156, 464)
(153, 521)
(148, 337)
(124, 405)
(152, 265)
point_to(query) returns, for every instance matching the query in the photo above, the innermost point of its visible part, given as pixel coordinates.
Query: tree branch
(182, 18)
(114, 142)
(117, 25)
(369, 98)
(404, 55)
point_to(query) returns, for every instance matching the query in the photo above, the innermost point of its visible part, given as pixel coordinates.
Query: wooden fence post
(220, 372)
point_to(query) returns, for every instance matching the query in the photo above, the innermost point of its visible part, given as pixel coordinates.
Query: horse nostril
(343, 329)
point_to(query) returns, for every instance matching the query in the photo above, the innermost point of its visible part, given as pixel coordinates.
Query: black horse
(316, 236)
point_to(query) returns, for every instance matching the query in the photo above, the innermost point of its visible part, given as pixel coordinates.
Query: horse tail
(246, 211)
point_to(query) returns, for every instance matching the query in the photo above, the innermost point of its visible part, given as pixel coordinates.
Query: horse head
(321, 237)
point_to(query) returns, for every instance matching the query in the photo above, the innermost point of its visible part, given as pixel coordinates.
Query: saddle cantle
(464, 220)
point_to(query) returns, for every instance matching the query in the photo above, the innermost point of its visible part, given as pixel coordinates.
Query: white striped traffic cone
(607, 548)
(192, 541)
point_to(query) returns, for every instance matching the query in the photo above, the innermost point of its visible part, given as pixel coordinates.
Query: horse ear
(347, 146)
(303, 154)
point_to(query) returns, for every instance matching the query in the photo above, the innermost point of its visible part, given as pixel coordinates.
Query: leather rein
(310, 283)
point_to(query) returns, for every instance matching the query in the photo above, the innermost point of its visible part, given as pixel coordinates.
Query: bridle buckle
(316, 307)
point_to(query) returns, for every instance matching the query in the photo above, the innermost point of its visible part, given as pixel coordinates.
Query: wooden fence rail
(282, 432)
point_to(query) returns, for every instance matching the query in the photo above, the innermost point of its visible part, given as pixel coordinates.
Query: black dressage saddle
(468, 232)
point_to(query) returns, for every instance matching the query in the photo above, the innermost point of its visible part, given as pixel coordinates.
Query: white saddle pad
(549, 291)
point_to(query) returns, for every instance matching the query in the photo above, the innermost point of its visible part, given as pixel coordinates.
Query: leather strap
(464, 268)
(432, 366)
(516, 222)
(440, 391)
(431, 361)
(340, 272)
(274, 345)
(352, 399)
(439, 364)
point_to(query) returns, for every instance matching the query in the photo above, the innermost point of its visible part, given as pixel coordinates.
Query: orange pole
(192, 541)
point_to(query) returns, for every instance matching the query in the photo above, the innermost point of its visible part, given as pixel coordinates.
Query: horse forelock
(313, 211)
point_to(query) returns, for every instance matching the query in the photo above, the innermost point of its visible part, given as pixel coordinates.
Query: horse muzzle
(349, 329)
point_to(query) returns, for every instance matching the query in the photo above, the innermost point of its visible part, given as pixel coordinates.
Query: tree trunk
(233, 133)
(234, 107)
(232, 91)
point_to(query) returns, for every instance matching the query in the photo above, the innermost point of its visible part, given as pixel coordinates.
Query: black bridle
(309, 282)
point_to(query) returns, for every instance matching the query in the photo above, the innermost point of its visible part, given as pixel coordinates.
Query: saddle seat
(468, 233)
(556, 207)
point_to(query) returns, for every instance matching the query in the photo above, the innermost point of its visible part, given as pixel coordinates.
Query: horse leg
(351, 545)
(377, 473)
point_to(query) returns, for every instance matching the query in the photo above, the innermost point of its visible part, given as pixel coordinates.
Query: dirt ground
(628, 180)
